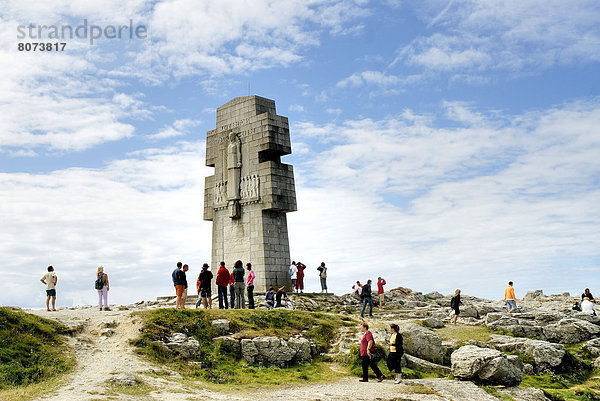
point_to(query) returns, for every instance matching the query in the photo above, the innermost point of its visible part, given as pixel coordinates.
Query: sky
(438, 144)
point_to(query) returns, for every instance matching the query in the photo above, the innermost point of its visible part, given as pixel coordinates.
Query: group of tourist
(370, 355)
(296, 272)
(365, 294)
(238, 282)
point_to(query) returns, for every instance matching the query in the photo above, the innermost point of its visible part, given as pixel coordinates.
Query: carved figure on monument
(234, 167)
(244, 188)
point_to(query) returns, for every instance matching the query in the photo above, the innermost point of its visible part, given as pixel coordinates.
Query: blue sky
(440, 144)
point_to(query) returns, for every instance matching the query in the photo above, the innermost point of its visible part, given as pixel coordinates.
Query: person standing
(250, 285)
(367, 299)
(293, 275)
(177, 282)
(323, 276)
(102, 286)
(222, 281)
(50, 279)
(380, 283)
(396, 351)
(239, 286)
(509, 298)
(231, 290)
(185, 285)
(357, 289)
(300, 277)
(367, 348)
(455, 304)
(205, 295)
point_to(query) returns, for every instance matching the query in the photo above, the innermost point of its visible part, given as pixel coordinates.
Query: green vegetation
(32, 350)
(462, 333)
(493, 391)
(140, 389)
(218, 365)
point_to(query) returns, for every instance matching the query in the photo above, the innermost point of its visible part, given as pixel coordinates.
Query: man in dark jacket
(239, 286)
(366, 296)
(222, 282)
(205, 278)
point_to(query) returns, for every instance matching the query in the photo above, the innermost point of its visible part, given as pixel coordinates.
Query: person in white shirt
(293, 274)
(50, 280)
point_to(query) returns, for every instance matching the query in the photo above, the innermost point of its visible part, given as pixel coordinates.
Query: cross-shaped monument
(251, 191)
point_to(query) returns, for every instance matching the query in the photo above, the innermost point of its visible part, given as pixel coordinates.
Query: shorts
(511, 304)
(51, 293)
(179, 290)
(456, 311)
(184, 295)
(205, 293)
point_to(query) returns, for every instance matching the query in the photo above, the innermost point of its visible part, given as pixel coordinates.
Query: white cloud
(506, 35)
(178, 128)
(296, 108)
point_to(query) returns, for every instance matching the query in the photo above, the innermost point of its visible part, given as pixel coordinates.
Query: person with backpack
(455, 304)
(323, 277)
(101, 284)
(366, 296)
(369, 355)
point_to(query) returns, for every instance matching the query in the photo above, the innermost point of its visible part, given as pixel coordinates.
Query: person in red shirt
(367, 347)
(222, 281)
(380, 283)
(300, 276)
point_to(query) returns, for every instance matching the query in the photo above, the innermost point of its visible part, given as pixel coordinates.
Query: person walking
(239, 286)
(178, 284)
(367, 299)
(455, 304)
(300, 277)
(50, 279)
(204, 295)
(323, 277)
(293, 275)
(509, 298)
(250, 285)
(396, 351)
(102, 286)
(222, 281)
(367, 355)
(380, 283)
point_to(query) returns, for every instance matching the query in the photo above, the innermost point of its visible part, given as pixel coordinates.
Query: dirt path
(103, 354)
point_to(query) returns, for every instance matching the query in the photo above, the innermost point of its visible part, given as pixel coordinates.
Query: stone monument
(251, 191)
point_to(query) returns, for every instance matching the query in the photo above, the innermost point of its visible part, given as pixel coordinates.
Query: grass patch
(461, 334)
(32, 350)
(494, 391)
(220, 366)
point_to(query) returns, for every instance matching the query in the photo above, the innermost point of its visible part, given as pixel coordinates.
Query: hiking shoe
(380, 379)
(397, 381)
(107, 308)
(363, 380)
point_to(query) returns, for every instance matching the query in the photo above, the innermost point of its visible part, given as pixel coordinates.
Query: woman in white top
(294, 274)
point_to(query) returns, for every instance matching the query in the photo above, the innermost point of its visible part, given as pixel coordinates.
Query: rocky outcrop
(524, 393)
(221, 325)
(187, 347)
(487, 366)
(570, 330)
(413, 362)
(276, 351)
(545, 354)
(422, 343)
